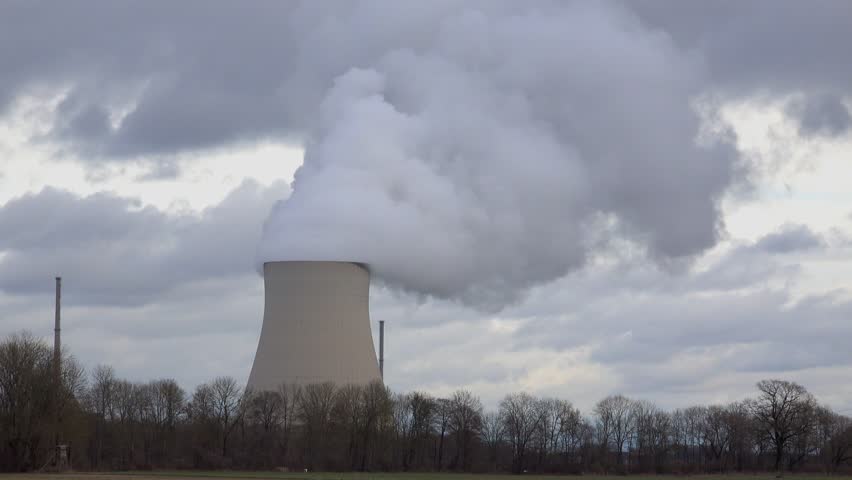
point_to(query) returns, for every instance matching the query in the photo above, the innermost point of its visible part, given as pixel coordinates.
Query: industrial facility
(316, 326)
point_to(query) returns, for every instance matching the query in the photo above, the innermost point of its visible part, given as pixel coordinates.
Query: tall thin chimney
(57, 359)
(382, 348)
(57, 342)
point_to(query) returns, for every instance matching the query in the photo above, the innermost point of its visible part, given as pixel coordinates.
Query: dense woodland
(114, 424)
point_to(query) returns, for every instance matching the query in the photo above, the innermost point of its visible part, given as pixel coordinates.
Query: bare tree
(170, 403)
(204, 427)
(228, 407)
(376, 407)
(128, 409)
(101, 399)
(25, 387)
(264, 409)
(687, 433)
(652, 435)
(716, 434)
(421, 410)
(263, 412)
(315, 413)
(492, 434)
(836, 438)
(465, 421)
(148, 417)
(348, 415)
(413, 417)
(547, 436)
(739, 426)
(402, 429)
(572, 430)
(521, 415)
(784, 412)
(442, 422)
(71, 391)
(290, 400)
(615, 425)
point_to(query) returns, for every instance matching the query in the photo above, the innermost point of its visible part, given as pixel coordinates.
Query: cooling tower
(316, 326)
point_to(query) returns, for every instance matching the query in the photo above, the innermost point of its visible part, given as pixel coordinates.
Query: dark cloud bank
(465, 150)
(115, 251)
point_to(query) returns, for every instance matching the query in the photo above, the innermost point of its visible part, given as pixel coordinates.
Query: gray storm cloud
(466, 150)
(490, 148)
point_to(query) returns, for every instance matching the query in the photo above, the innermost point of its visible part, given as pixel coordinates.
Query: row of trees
(111, 423)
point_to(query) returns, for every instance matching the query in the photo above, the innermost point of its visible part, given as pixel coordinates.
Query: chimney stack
(382, 348)
(57, 342)
(57, 364)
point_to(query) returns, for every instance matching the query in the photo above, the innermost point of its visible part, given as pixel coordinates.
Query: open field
(380, 476)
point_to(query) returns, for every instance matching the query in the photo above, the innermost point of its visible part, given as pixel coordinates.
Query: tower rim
(364, 265)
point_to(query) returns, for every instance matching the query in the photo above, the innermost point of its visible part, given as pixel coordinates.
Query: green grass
(177, 475)
(445, 476)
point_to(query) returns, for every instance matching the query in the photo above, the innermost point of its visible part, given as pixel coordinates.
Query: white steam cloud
(470, 151)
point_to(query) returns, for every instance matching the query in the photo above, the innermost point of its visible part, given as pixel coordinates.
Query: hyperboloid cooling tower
(316, 326)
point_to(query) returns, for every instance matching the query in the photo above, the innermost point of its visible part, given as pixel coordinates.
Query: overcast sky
(651, 198)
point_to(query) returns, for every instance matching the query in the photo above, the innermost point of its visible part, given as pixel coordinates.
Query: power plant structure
(316, 326)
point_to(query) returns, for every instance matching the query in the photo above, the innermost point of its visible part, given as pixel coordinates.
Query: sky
(574, 199)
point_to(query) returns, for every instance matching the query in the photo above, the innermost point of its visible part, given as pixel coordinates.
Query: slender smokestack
(57, 342)
(382, 348)
(57, 359)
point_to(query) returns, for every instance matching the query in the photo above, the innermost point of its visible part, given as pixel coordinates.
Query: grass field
(377, 476)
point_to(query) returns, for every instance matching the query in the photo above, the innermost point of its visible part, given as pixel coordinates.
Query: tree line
(112, 424)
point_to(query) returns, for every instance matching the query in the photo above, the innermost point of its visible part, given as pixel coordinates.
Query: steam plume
(480, 152)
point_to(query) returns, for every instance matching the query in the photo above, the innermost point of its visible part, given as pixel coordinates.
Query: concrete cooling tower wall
(316, 326)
